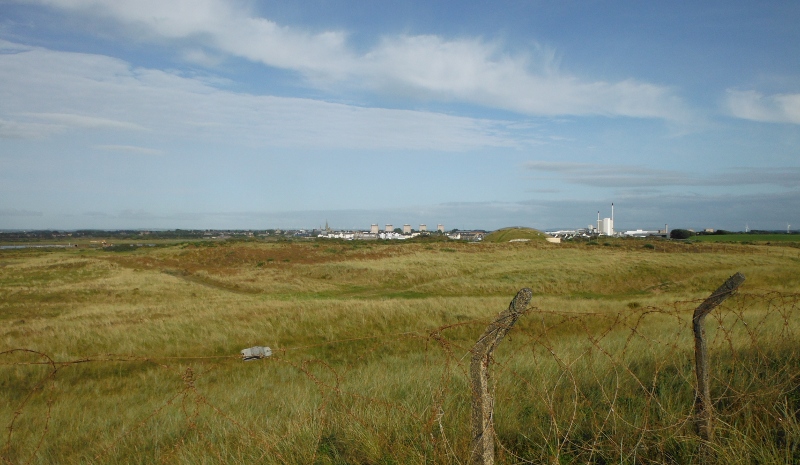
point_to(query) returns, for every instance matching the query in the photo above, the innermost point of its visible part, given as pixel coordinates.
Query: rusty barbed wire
(572, 386)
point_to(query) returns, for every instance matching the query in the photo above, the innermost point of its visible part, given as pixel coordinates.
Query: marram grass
(371, 353)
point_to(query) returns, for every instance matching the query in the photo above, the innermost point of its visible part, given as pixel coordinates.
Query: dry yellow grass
(361, 373)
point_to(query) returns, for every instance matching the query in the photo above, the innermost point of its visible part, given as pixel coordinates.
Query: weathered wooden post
(482, 443)
(702, 401)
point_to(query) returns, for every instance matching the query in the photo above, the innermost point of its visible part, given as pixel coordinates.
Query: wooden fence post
(482, 443)
(702, 401)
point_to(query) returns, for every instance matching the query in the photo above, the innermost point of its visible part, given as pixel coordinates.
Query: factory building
(606, 225)
(406, 229)
(440, 228)
(389, 228)
(423, 227)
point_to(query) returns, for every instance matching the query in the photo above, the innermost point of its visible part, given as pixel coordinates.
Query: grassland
(131, 353)
(750, 238)
(510, 234)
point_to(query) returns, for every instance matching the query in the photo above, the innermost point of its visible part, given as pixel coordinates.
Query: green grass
(748, 238)
(371, 352)
(508, 234)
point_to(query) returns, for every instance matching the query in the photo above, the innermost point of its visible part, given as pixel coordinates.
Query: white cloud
(476, 71)
(86, 122)
(129, 149)
(46, 92)
(752, 105)
(470, 70)
(26, 130)
(615, 176)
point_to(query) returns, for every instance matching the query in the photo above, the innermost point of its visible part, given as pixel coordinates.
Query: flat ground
(130, 354)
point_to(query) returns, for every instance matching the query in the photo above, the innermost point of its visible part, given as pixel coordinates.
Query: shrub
(681, 234)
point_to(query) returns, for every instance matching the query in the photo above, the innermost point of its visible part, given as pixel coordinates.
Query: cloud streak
(469, 70)
(755, 106)
(126, 101)
(13, 212)
(616, 176)
(129, 149)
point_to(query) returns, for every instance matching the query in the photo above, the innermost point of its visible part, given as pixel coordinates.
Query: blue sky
(251, 114)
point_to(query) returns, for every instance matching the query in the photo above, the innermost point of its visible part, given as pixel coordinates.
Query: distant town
(604, 227)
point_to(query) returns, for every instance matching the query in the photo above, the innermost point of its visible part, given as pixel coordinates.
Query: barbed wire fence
(565, 387)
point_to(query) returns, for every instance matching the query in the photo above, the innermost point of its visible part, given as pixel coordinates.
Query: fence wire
(568, 388)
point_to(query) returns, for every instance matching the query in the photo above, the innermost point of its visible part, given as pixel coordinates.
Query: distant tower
(606, 225)
(611, 226)
(406, 229)
(440, 228)
(373, 229)
(389, 228)
(423, 227)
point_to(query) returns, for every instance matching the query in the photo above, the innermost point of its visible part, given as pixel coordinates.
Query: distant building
(389, 228)
(423, 227)
(374, 229)
(606, 225)
(440, 228)
(641, 233)
(406, 229)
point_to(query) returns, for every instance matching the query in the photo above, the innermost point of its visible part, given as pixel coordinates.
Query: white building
(373, 229)
(406, 229)
(606, 225)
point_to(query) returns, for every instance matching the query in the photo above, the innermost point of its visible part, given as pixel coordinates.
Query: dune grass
(371, 343)
(508, 234)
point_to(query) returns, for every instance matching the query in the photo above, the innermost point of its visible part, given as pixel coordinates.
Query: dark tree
(680, 234)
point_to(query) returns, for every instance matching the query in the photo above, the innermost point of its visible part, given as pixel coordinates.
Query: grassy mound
(507, 234)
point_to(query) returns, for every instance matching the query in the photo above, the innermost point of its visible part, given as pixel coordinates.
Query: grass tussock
(131, 356)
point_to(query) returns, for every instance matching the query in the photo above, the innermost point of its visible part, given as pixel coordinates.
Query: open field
(795, 238)
(131, 354)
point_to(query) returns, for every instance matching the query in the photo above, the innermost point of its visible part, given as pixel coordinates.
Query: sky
(229, 114)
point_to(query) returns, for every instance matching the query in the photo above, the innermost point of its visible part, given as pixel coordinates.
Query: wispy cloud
(472, 70)
(126, 100)
(619, 176)
(26, 130)
(18, 213)
(755, 106)
(129, 149)
(86, 122)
